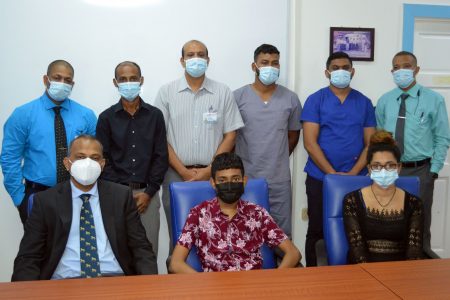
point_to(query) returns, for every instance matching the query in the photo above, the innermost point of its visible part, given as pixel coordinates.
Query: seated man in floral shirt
(227, 230)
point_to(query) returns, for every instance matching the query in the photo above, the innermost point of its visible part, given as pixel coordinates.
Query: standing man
(418, 118)
(337, 124)
(38, 133)
(201, 121)
(84, 227)
(271, 115)
(134, 141)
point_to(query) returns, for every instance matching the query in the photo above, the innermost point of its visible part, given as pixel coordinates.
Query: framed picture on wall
(358, 43)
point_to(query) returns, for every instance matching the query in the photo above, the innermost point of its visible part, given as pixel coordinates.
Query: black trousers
(30, 188)
(315, 218)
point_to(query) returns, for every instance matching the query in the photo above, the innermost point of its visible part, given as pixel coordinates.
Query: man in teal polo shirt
(420, 128)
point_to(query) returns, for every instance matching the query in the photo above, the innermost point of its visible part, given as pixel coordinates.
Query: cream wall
(309, 49)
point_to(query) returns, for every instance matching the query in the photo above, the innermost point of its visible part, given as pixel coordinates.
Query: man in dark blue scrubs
(337, 124)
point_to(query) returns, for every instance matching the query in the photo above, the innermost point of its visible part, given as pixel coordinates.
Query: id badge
(210, 117)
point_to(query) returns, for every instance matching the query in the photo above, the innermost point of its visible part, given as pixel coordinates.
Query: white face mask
(85, 171)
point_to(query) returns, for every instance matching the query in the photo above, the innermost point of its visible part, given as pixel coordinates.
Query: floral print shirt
(234, 244)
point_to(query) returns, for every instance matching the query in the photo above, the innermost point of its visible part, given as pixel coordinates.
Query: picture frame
(357, 42)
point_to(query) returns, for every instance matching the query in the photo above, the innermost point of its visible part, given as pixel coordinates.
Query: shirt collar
(76, 192)
(412, 92)
(215, 207)
(207, 85)
(48, 103)
(118, 106)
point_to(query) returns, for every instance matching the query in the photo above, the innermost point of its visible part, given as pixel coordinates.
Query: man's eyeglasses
(387, 167)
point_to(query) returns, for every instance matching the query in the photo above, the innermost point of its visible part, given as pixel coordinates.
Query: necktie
(61, 146)
(400, 126)
(90, 264)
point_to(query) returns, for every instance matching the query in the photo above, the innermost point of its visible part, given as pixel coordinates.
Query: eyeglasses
(387, 167)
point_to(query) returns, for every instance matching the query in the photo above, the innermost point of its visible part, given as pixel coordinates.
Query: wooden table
(422, 279)
(342, 282)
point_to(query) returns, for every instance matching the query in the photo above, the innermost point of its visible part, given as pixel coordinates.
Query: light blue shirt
(29, 137)
(426, 128)
(69, 265)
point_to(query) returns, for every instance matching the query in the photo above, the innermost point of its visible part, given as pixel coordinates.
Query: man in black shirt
(133, 135)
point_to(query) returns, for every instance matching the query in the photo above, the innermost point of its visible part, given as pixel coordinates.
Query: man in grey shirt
(201, 119)
(271, 114)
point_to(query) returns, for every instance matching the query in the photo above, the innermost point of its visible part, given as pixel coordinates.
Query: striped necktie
(90, 264)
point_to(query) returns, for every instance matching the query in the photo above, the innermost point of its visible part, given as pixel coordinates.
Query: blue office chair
(335, 187)
(185, 195)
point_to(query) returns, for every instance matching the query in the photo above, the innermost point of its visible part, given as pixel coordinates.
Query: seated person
(383, 222)
(228, 231)
(84, 227)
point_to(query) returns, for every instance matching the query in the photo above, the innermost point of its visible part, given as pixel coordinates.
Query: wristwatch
(434, 175)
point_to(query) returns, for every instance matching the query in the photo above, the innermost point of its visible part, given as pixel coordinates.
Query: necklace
(390, 200)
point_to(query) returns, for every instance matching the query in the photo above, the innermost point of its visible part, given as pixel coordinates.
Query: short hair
(127, 63)
(382, 141)
(85, 137)
(407, 53)
(57, 63)
(337, 55)
(225, 161)
(265, 48)
(193, 41)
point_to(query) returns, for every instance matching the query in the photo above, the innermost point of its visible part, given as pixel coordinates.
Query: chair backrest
(185, 195)
(335, 187)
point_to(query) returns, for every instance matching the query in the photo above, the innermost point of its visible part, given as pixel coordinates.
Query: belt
(196, 166)
(135, 185)
(415, 164)
(35, 186)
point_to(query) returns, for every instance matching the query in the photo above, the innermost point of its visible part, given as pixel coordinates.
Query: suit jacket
(47, 231)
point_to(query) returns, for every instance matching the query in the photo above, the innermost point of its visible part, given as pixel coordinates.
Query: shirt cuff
(435, 168)
(151, 191)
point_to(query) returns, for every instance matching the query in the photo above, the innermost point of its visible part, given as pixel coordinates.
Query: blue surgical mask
(340, 78)
(129, 90)
(403, 77)
(59, 91)
(196, 66)
(384, 178)
(268, 75)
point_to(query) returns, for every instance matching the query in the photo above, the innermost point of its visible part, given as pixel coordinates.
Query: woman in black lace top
(383, 222)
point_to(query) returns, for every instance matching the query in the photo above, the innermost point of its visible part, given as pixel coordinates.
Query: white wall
(309, 43)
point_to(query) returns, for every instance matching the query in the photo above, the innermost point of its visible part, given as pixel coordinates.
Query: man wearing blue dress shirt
(421, 130)
(37, 134)
(84, 227)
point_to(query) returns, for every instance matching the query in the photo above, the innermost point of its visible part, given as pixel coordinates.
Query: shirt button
(134, 173)
(134, 159)
(134, 146)
(195, 141)
(132, 131)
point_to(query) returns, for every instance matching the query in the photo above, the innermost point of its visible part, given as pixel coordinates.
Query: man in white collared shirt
(84, 227)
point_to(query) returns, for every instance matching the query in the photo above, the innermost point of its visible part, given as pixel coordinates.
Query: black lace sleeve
(414, 248)
(358, 252)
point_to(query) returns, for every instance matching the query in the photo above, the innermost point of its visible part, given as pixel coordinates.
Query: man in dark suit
(84, 227)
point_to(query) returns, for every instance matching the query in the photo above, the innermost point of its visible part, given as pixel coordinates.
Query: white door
(432, 48)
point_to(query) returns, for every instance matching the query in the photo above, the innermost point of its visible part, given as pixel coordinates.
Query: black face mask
(229, 192)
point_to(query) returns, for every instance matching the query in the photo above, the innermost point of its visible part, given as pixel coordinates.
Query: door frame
(412, 11)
